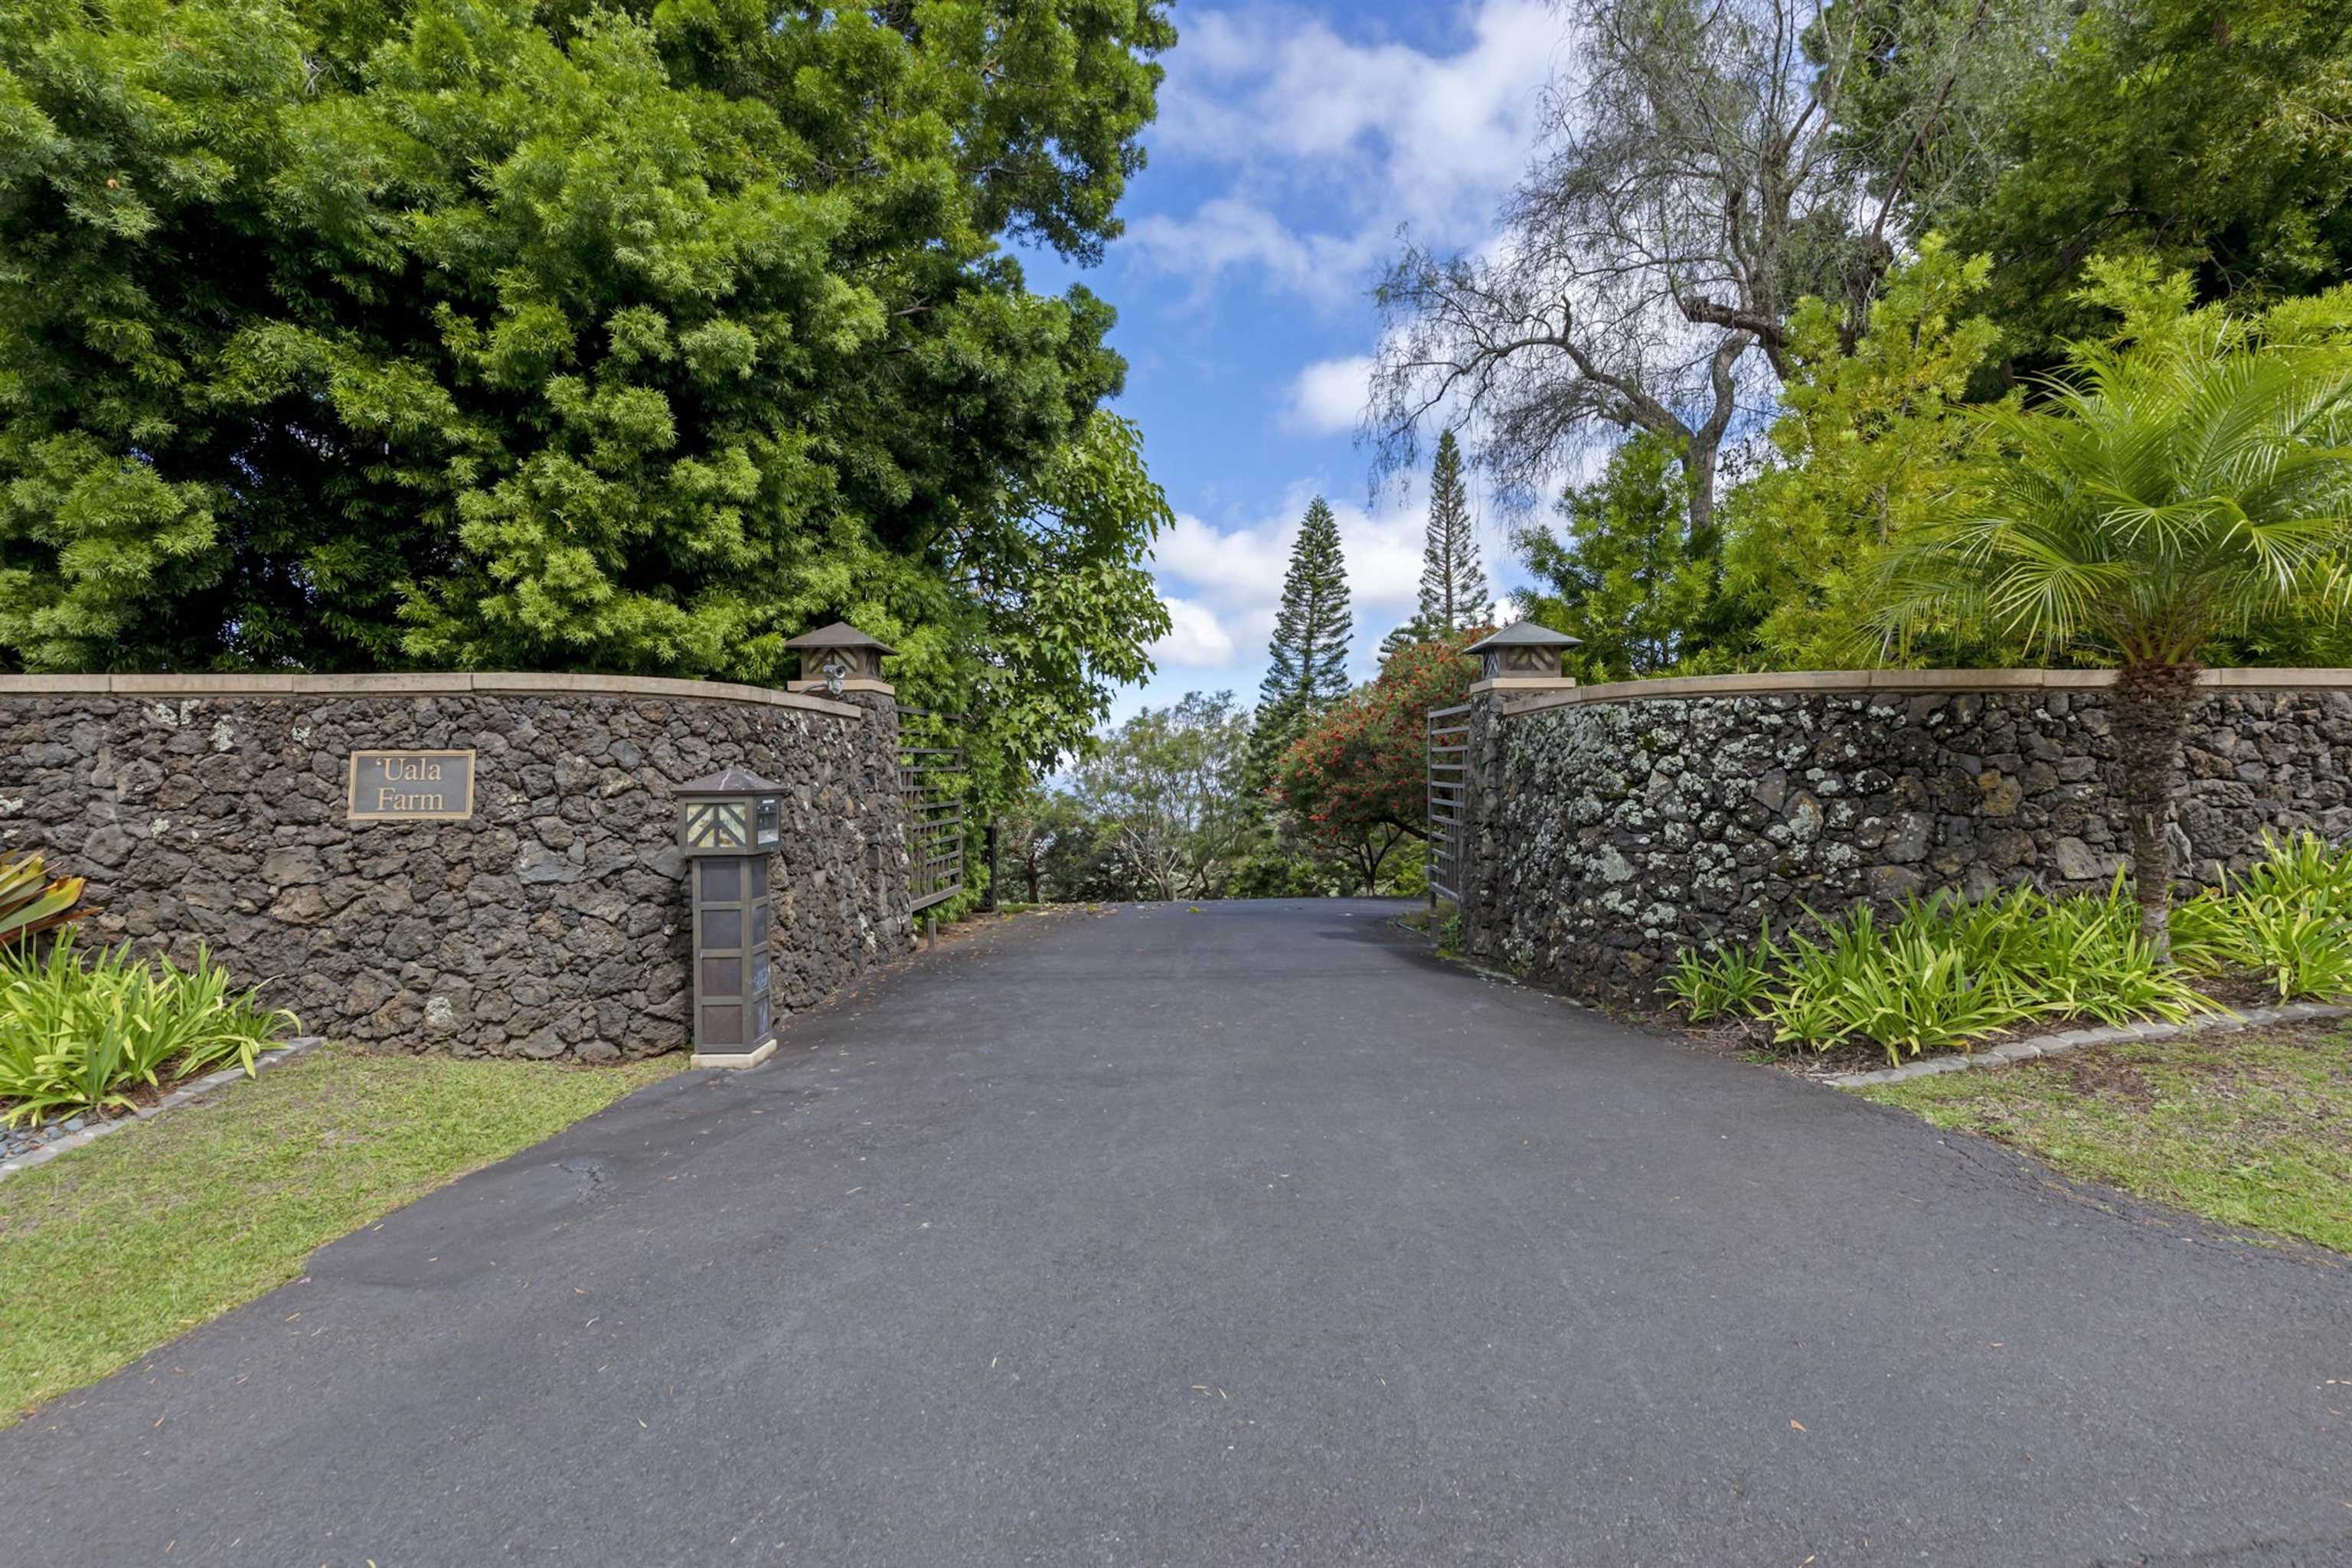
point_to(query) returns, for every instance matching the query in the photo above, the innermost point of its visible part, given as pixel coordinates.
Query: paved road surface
(1249, 1236)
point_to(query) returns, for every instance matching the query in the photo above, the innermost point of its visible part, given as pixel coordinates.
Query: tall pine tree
(1308, 658)
(1454, 592)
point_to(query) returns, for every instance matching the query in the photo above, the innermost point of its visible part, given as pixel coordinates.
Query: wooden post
(988, 899)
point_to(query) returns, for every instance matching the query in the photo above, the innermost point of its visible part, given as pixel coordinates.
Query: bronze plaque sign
(412, 786)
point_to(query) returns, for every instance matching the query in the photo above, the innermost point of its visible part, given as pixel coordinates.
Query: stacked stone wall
(1614, 832)
(549, 923)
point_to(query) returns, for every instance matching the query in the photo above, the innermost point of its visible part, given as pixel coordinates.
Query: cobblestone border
(2051, 1045)
(187, 1093)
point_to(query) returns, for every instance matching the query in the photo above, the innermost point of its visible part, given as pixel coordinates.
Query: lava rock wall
(551, 923)
(1610, 836)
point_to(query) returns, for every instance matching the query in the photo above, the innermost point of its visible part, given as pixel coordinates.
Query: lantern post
(840, 659)
(729, 824)
(1522, 658)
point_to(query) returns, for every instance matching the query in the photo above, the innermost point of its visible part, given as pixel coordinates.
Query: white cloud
(1222, 583)
(1194, 636)
(1327, 397)
(1371, 135)
(1229, 231)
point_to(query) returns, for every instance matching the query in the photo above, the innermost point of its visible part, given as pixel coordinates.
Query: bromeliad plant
(2288, 919)
(78, 1035)
(31, 903)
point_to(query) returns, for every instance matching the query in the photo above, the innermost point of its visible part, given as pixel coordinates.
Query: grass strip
(2251, 1128)
(111, 1250)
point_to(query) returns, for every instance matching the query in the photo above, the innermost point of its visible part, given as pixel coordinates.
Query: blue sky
(1293, 143)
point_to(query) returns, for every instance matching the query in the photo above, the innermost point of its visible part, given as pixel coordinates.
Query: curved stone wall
(548, 923)
(1611, 828)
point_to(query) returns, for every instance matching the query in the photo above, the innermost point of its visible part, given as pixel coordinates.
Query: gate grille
(1449, 771)
(931, 785)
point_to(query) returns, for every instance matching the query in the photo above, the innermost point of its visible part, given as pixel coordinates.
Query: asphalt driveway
(1248, 1236)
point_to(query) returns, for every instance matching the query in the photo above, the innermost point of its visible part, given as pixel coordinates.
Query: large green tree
(2214, 136)
(1306, 659)
(1622, 578)
(1165, 788)
(476, 332)
(1453, 593)
(1871, 437)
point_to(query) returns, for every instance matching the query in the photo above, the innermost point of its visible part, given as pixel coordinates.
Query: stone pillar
(1481, 797)
(1487, 866)
(845, 664)
(887, 899)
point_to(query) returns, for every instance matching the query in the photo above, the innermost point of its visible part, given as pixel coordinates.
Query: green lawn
(110, 1250)
(2251, 1128)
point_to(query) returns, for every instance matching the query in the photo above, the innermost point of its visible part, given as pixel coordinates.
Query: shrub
(2288, 920)
(1946, 972)
(2300, 949)
(2301, 869)
(1733, 981)
(76, 1035)
(1943, 971)
(1930, 979)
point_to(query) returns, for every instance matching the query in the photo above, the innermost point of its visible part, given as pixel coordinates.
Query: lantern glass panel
(770, 819)
(718, 825)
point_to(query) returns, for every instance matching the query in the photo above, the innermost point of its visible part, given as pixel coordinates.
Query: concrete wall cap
(851, 683)
(421, 683)
(1800, 682)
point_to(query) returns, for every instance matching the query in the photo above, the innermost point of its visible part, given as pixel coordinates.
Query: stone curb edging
(187, 1093)
(2050, 1044)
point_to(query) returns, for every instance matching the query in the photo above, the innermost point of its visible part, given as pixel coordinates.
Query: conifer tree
(1403, 636)
(1454, 592)
(1308, 658)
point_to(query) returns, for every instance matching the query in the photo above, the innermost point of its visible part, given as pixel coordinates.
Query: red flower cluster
(1363, 764)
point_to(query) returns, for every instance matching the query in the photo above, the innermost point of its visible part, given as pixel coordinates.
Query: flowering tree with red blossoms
(1357, 780)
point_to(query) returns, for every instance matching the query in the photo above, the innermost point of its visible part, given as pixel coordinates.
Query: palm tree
(2169, 491)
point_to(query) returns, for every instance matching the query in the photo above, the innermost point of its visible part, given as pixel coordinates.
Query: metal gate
(931, 785)
(1449, 774)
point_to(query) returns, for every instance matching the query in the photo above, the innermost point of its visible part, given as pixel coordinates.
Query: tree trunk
(1698, 469)
(2153, 702)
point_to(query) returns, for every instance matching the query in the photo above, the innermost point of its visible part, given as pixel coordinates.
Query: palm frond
(2166, 490)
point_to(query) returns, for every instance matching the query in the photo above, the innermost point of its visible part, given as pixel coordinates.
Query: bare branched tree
(1930, 89)
(1685, 192)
